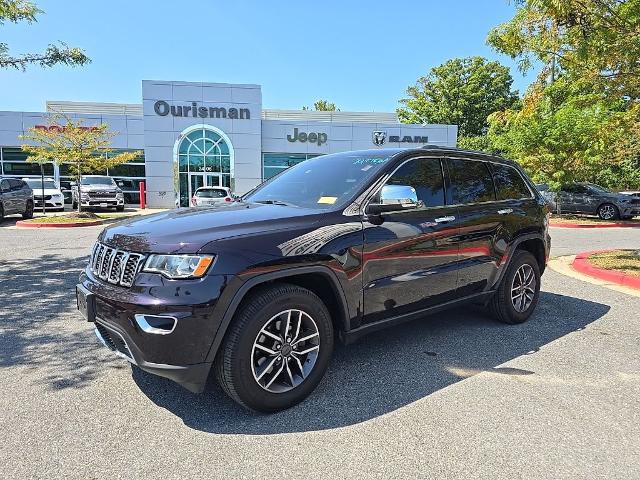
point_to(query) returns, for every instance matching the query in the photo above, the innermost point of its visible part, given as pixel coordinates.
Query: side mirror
(394, 198)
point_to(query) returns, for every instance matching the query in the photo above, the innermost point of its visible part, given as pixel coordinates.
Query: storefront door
(197, 180)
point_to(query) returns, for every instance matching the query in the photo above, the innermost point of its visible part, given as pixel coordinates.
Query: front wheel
(277, 348)
(517, 295)
(28, 212)
(608, 211)
(120, 208)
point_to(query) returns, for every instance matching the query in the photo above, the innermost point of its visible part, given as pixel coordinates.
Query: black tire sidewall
(245, 385)
(616, 215)
(28, 213)
(521, 258)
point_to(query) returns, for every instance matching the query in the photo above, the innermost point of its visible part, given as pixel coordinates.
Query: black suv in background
(592, 199)
(15, 197)
(334, 247)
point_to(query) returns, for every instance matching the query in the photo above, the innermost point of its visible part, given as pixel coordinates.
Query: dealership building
(197, 134)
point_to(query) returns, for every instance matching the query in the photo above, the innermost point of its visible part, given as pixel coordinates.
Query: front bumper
(48, 203)
(629, 210)
(182, 355)
(99, 202)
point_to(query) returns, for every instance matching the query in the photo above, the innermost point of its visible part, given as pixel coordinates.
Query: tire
(608, 211)
(28, 213)
(501, 305)
(74, 205)
(627, 217)
(1, 213)
(120, 208)
(234, 365)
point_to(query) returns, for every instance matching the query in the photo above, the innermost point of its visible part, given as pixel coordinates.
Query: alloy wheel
(523, 288)
(607, 212)
(285, 351)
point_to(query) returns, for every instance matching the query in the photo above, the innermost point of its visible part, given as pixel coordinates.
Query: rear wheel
(277, 348)
(517, 296)
(1, 213)
(608, 211)
(28, 212)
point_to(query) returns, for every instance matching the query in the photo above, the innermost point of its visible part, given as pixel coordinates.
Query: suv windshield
(97, 181)
(34, 184)
(211, 193)
(320, 182)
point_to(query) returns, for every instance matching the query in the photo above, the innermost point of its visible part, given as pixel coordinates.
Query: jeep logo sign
(303, 137)
(163, 109)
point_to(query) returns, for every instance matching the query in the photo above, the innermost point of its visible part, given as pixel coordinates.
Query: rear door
(409, 260)
(482, 229)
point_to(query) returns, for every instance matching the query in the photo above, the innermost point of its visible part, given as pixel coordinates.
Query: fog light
(156, 324)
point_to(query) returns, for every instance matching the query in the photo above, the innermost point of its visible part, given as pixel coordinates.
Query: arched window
(204, 158)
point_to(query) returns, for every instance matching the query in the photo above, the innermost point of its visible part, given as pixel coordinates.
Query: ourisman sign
(163, 109)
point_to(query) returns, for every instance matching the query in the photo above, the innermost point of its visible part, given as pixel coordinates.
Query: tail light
(227, 199)
(193, 201)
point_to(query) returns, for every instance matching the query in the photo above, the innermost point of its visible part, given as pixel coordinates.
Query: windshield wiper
(274, 202)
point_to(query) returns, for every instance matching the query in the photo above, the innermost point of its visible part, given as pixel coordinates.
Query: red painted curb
(581, 263)
(24, 224)
(594, 225)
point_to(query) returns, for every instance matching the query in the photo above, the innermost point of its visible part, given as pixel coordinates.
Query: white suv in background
(211, 196)
(53, 197)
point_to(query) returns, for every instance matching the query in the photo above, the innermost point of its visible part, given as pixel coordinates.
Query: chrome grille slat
(115, 266)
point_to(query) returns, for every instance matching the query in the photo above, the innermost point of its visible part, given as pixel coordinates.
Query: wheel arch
(319, 279)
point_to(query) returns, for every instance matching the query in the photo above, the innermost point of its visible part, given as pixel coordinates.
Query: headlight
(119, 195)
(179, 266)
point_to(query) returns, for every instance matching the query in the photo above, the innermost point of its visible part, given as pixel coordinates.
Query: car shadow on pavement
(39, 327)
(386, 370)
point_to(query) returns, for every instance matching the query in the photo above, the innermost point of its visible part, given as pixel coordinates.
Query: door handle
(505, 211)
(450, 218)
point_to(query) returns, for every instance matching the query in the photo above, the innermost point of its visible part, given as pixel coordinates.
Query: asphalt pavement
(455, 395)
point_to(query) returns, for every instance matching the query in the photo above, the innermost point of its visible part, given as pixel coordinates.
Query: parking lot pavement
(569, 241)
(455, 395)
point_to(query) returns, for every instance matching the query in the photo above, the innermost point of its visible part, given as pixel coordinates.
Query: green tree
(86, 149)
(323, 106)
(463, 92)
(597, 41)
(15, 11)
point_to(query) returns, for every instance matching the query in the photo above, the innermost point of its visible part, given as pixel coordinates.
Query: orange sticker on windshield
(328, 200)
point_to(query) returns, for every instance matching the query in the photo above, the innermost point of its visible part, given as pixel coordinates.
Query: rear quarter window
(509, 183)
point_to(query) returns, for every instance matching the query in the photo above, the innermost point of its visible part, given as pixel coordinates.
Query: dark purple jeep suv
(334, 247)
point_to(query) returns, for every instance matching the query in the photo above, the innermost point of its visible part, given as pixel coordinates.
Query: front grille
(39, 197)
(113, 341)
(102, 194)
(115, 266)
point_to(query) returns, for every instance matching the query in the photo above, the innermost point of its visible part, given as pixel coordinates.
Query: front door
(409, 260)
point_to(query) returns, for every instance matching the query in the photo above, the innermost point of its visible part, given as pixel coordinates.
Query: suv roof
(440, 150)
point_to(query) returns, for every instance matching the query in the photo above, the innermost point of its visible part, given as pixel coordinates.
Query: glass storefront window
(274, 163)
(26, 168)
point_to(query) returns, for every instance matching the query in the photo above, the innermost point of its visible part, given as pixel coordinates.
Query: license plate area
(86, 303)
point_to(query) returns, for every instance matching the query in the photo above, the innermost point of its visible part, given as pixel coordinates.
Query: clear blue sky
(359, 54)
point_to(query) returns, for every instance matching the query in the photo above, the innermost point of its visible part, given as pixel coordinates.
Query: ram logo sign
(380, 137)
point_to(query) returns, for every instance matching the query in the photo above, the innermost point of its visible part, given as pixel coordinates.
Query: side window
(15, 184)
(509, 183)
(4, 186)
(471, 181)
(425, 176)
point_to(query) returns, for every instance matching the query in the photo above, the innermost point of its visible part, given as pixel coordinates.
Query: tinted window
(425, 176)
(211, 193)
(471, 181)
(4, 185)
(509, 183)
(15, 184)
(574, 189)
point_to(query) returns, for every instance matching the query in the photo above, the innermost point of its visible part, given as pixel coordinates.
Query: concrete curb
(24, 224)
(594, 225)
(581, 264)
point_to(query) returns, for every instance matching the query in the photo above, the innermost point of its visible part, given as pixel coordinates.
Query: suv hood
(98, 187)
(187, 230)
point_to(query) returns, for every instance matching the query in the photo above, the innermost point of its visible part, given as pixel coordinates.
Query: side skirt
(354, 335)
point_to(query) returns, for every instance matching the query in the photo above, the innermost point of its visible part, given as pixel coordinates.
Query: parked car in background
(548, 195)
(16, 197)
(633, 193)
(66, 187)
(53, 197)
(592, 199)
(98, 191)
(334, 247)
(211, 196)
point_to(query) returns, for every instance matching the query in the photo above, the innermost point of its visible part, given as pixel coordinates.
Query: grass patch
(580, 220)
(626, 261)
(74, 217)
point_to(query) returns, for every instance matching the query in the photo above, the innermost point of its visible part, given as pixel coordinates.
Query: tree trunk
(42, 180)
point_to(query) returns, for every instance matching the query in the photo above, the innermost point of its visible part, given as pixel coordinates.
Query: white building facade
(197, 134)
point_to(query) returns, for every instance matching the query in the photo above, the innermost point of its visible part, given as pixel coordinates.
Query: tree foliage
(323, 106)
(463, 92)
(15, 11)
(86, 149)
(580, 120)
